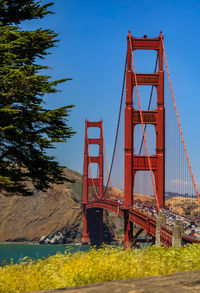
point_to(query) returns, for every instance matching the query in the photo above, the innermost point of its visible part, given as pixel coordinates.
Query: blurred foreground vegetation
(97, 265)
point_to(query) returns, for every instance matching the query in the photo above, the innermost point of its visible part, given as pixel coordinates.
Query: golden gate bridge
(159, 193)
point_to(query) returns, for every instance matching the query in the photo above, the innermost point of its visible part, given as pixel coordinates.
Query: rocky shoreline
(52, 217)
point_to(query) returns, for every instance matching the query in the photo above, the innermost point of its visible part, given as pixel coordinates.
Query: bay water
(16, 252)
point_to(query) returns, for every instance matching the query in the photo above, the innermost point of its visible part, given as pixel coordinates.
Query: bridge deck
(140, 219)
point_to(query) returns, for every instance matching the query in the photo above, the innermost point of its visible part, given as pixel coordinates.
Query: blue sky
(92, 51)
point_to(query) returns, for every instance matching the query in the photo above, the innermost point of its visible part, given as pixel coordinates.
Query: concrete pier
(177, 234)
(161, 220)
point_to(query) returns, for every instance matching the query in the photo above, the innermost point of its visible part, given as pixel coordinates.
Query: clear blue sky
(92, 51)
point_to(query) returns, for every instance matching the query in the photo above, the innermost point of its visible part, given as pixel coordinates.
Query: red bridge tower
(93, 218)
(134, 163)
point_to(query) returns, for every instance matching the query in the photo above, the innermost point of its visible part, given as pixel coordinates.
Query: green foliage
(113, 225)
(77, 191)
(27, 128)
(19, 10)
(95, 266)
(119, 232)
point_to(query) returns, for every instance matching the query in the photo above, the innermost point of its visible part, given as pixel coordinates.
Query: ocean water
(16, 252)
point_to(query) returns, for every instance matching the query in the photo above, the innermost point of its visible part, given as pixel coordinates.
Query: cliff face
(30, 218)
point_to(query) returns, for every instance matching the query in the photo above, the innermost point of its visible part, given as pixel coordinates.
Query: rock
(57, 238)
(41, 241)
(63, 236)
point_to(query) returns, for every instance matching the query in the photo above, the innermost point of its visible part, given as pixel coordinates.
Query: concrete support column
(180, 223)
(158, 226)
(164, 219)
(161, 220)
(177, 234)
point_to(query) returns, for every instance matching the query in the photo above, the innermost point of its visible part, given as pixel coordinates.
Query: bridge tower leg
(132, 162)
(128, 152)
(92, 218)
(128, 231)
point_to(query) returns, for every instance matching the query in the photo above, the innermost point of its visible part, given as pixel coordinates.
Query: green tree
(27, 128)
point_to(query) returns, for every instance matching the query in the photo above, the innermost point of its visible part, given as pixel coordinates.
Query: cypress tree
(27, 128)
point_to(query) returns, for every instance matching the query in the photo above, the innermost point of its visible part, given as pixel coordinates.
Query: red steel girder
(94, 181)
(145, 43)
(95, 159)
(94, 141)
(94, 124)
(141, 163)
(146, 78)
(149, 117)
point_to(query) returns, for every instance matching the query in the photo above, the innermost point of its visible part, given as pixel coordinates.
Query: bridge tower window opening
(143, 188)
(92, 190)
(145, 60)
(148, 97)
(93, 132)
(138, 140)
(93, 150)
(93, 170)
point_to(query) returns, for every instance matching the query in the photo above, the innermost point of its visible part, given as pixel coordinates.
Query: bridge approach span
(147, 223)
(142, 220)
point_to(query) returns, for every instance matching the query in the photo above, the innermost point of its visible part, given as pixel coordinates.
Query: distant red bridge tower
(93, 218)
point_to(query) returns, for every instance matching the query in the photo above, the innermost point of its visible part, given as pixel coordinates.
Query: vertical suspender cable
(180, 124)
(143, 129)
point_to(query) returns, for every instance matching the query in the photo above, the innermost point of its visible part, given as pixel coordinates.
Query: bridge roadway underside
(142, 220)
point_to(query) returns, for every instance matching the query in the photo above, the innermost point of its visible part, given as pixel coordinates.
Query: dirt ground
(176, 283)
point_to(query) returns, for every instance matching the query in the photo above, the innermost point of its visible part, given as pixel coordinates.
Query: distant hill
(74, 189)
(29, 218)
(55, 214)
(180, 203)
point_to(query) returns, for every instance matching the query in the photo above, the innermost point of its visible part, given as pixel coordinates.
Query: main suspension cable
(117, 131)
(143, 129)
(106, 158)
(179, 124)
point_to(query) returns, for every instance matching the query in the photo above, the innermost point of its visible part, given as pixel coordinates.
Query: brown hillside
(29, 218)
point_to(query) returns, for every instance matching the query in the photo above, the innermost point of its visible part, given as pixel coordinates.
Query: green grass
(95, 266)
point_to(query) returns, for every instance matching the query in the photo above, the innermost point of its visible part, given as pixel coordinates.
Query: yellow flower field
(97, 265)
